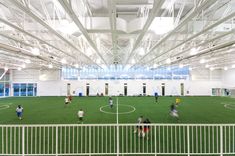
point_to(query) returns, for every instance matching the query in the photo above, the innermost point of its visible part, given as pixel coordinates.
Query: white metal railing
(101, 139)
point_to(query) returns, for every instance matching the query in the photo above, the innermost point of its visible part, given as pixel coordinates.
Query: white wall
(49, 84)
(56, 88)
(228, 79)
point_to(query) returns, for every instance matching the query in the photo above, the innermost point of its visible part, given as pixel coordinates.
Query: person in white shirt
(19, 112)
(66, 101)
(110, 102)
(139, 127)
(81, 115)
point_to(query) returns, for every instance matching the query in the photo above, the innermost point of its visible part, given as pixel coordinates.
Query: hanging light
(23, 65)
(5, 68)
(63, 61)
(27, 61)
(168, 61)
(50, 66)
(35, 51)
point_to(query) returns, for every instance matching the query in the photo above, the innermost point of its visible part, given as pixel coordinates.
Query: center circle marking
(133, 109)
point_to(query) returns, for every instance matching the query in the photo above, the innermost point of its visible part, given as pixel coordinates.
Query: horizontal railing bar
(84, 125)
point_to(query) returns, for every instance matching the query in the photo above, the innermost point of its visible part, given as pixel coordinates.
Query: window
(117, 72)
(4, 83)
(7, 88)
(30, 87)
(1, 89)
(16, 89)
(24, 89)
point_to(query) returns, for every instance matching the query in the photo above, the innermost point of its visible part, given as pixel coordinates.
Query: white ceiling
(132, 33)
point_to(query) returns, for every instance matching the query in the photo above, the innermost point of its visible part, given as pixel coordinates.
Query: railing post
(188, 143)
(56, 145)
(117, 124)
(221, 140)
(155, 140)
(23, 141)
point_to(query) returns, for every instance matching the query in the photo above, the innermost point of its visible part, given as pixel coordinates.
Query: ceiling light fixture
(133, 61)
(35, 51)
(63, 61)
(155, 65)
(202, 61)
(19, 68)
(27, 61)
(89, 52)
(141, 51)
(194, 51)
(168, 61)
(225, 68)
(50, 66)
(98, 61)
(76, 65)
(23, 65)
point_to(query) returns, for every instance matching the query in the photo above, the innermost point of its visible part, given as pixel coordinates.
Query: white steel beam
(43, 23)
(186, 19)
(18, 50)
(197, 34)
(204, 43)
(155, 11)
(67, 7)
(112, 20)
(209, 50)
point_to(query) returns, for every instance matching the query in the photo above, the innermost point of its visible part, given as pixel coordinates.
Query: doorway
(144, 89)
(163, 89)
(182, 89)
(106, 91)
(68, 89)
(125, 89)
(87, 89)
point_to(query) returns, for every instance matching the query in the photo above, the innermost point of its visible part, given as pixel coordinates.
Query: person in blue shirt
(156, 97)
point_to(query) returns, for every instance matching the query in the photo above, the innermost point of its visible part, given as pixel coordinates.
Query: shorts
(80, 118)
(139, 127)
(66, 103)
(19, 114)
(146, 129)
(174, 114)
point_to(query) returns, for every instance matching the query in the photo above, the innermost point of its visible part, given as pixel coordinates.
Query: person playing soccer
(139, 126)
(80, 115)
(146, 128)
(110, 102)
(177, 101)
(156, 97)
(19, 112)
(66, 101)
(70, 98)
(174, 112)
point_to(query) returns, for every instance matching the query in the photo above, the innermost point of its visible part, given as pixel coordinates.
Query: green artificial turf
(51, 110)
(103, 139)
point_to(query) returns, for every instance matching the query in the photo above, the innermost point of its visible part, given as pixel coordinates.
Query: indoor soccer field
(117, 77)
(52, 110)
